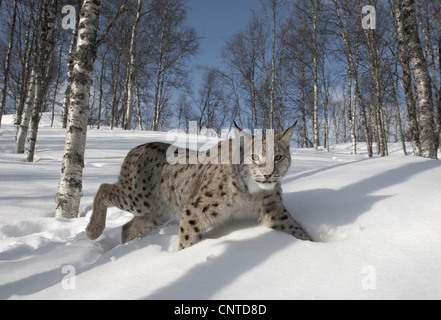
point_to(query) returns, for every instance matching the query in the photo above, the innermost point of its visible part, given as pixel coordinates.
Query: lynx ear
(237, 129)
(285, 136)
(239, 132)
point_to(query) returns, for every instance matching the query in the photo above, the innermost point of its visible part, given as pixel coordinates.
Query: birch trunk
(354, 71)
(314, 5)
(160, 70)
(70, 62)
(26, 116)
(101, 91)
(351, 111)
(253, 94)
(361, 104)
(325, 110)
(374, 62)
(70, 187)
(57, 84)
(438, 117)
(8, 63)
(25, 70)
(155, 124)
(115, 98)
(398, 116)
(305, 140)
(130, 86)
(46, 51)
(428, 135)
(273, 68)
(407, 80)
(138, 103)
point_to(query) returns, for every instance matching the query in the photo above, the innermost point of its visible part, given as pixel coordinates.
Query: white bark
(428, 137)
(8, 63)
(46, 52)
(160, 70)
(354, 71)
(26, 116)
(273, 67)
(314, 6)
(70, 188)
(351, 111)
(70, 61)
(131, 71)
(374, 61)
(407, 80)
(25, 69)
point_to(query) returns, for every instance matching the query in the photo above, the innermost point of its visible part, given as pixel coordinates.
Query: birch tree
(131, 69)
(352, 53)
(26, 55)
(174, 43)
(68, 196)
(240, 54)
(372, 39)
(428, 136)
(70, 61)
(26, 116)
(41, 75)
(438, 108)
(272, 11)
(7, 63)
(69, 191)
(37, 74)
(315, 8)
(407, 78)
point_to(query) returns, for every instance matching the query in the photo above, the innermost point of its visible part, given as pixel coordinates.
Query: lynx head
(265, 159)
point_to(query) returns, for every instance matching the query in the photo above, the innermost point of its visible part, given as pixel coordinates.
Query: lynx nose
(267, 176)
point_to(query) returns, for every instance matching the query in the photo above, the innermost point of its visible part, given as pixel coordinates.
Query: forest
(362, 78)
(348, 71)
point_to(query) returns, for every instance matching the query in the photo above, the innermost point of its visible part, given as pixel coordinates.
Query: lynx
(199, 194)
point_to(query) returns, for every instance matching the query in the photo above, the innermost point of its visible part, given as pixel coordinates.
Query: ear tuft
(285, 136)
(239, 132)
(237, 127)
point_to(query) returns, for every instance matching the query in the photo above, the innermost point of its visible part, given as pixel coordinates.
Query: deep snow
(377, 224)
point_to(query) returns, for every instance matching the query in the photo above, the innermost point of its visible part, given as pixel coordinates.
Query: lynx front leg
(279, 219)
(190, 230)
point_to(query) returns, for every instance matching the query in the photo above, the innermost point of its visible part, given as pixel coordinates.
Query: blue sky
(217, 21)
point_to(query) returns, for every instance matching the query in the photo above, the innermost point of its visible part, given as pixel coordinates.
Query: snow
(376, 223)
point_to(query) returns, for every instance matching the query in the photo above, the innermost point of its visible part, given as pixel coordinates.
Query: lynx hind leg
(102, 200)
(140, 226)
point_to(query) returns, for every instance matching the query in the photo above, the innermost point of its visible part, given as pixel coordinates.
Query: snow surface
(376, 222)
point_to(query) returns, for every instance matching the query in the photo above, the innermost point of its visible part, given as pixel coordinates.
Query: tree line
(141, 59)
(312, 60)
(351, 72)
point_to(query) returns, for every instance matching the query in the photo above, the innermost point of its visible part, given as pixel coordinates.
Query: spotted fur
(200, 194)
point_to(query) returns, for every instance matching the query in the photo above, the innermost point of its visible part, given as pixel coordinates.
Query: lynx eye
(255, 157)
(278, 157)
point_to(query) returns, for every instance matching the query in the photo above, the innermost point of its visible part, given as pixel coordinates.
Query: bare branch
(103, 35)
